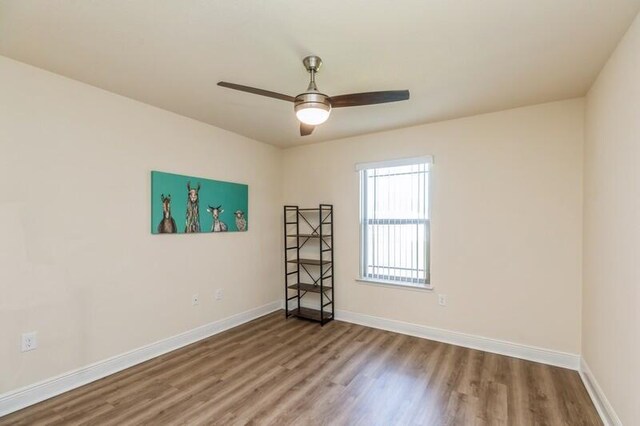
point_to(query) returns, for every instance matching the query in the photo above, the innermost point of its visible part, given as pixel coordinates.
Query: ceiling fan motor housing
(312, 100)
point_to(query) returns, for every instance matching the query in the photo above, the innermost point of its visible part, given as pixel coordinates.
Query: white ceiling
(457, 57)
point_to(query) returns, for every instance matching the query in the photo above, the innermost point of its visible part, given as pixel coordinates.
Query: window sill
(395, 284)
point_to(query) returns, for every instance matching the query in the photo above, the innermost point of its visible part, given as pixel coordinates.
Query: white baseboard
(29, 395)
(604, 407)
(516, 350)
(32, 394)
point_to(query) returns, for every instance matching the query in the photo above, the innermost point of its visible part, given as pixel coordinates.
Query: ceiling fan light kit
(313, 107)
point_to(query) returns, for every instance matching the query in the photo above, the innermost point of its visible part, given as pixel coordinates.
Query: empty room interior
(383, 213)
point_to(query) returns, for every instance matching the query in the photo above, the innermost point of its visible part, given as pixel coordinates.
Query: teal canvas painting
(187, 204)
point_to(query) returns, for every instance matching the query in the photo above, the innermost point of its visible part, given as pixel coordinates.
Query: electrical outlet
(442, 299)
(195, 300)
(219, 294)
(29, 341)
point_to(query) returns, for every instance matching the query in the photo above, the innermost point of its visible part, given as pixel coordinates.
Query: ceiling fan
(313, 107)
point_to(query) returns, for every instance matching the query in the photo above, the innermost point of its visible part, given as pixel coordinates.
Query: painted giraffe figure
(193, 210)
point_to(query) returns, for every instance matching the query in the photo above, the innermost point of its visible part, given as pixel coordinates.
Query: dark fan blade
(369, 98)
(306, 129)
(256, 91)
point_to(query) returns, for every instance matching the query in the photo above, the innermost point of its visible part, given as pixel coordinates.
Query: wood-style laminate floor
(273, 371)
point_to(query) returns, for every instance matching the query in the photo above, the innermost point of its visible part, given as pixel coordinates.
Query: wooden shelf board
(310, 287)
(314, 211)
(311, 314)
(309, 236)
(310, 261)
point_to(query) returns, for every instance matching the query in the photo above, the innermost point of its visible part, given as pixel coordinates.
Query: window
(395, 222)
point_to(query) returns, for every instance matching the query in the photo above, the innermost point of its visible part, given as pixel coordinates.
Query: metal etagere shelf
(309, 230)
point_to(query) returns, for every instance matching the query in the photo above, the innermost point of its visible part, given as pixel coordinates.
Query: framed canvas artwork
(186, 205)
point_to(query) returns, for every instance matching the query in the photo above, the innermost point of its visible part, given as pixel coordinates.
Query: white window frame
(363, 277)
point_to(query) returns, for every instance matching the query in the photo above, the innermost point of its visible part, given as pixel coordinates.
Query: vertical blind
(395, 221)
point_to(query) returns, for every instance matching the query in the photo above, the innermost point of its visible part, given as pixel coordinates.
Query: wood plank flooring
(273, 371)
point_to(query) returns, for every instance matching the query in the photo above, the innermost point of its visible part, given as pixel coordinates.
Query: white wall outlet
(29, 341)
(195, 300)
(219, 294)
(442, 299)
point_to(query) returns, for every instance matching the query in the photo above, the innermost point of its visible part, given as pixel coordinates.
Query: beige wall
(78, 265)
(611, 304)
(506, 221)
(77, 261)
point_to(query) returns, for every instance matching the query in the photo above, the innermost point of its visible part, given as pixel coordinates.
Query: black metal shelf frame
(317, 224)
